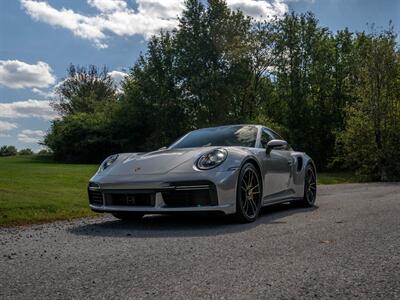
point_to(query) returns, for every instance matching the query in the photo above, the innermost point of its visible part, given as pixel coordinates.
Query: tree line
(12, 151)
(335, 96)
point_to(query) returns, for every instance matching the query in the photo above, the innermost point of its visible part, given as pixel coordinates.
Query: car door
(277, 164)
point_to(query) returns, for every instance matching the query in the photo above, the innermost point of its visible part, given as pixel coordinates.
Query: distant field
(34, 189)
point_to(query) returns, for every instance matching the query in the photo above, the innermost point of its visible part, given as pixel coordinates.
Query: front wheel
(310, 187)
(248, 194)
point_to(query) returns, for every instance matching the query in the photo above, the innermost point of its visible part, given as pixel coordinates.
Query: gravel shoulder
(346, 247)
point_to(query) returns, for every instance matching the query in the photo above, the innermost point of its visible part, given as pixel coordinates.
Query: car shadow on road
(186, 225)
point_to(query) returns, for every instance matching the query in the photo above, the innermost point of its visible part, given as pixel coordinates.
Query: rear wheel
(128, 216)
(310, 187)
(249, 194)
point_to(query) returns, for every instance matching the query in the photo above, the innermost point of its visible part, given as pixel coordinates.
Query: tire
(310, 188)
(128, 216)
(248, 194)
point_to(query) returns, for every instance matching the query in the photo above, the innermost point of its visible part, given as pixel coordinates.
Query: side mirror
(276, 144)
(162, 148)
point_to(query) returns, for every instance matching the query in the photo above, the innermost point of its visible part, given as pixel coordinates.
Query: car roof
(231, 125)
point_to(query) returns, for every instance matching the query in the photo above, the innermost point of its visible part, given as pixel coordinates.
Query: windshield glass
(237, 135)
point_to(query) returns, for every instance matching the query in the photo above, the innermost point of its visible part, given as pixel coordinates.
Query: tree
(87, 103)
(370, 142)
(26, 151)
(45, 152)
(308, 68)
(214, 63)
(84, 89)
(8, 151)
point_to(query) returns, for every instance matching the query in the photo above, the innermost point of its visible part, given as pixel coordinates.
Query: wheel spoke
(245, 205)
(252, 188)
(253, 205)
(250, 179)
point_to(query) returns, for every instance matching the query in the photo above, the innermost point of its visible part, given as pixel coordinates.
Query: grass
(337, 177)
(34, 189)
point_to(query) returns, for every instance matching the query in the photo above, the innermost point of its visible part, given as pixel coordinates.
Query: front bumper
(150, 196)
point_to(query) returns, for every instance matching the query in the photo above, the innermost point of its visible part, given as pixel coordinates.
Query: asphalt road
(347, 247)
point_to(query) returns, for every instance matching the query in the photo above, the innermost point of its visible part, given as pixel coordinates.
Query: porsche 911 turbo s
(234, 169)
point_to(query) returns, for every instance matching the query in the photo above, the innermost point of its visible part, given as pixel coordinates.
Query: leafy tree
(214, 63)
(370, 142)
(8, 151)
(84, 89)
(87, 103)
(311, 78)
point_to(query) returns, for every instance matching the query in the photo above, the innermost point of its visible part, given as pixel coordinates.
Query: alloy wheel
(250, 193)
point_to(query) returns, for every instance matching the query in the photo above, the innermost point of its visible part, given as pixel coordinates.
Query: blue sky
(39, 39)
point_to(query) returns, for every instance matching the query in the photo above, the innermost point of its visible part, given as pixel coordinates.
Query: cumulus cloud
(150, 16)
(118, 77)
(31, 136)
(114, 16)
(17, 74)
(28, 109)
(259, 9)
(108, 5)
(6, 126)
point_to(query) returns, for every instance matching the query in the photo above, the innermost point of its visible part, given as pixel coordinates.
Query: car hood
(157, 162)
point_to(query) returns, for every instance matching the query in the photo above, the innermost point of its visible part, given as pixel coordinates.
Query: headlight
(108, 162)
(212, 159)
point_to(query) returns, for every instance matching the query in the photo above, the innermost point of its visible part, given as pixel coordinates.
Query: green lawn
(34, 189)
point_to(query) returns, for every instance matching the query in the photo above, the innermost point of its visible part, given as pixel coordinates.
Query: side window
(274, 135)
(265, 138)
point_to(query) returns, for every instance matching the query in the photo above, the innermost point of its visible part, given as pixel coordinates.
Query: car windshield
(238, 135)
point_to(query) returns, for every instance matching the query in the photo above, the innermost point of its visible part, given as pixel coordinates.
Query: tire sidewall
(309, 167)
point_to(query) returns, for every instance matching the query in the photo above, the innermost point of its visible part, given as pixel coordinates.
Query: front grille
(191, 194)
(131, 199)
(95, 197)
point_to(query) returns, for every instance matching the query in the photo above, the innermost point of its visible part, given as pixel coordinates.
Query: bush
(26, 151)
(82, 137)
(45, 152)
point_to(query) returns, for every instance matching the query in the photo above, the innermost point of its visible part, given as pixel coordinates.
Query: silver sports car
(233, 169)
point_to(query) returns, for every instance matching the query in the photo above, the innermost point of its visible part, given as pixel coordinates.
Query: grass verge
(337, 177)
(34, 190)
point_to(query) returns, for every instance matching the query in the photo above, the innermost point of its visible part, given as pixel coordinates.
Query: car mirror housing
(277, 145)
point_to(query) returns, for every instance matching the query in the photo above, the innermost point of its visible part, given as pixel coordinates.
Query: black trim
(176, 194)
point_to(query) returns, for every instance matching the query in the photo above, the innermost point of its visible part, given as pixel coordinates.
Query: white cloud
(6, 126)
(108, 5)
(115, 16)
(118, 77)
(28, 109)
(31, 136)
(259, 9)
(17, 74)
(45, 94)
